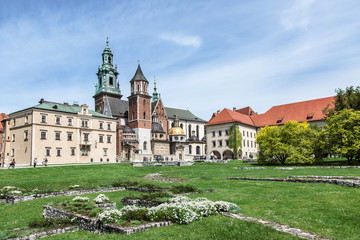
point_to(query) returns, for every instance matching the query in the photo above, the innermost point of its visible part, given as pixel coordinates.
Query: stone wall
(139, 202)
(96, 226)
(162, 164)
(47, 233)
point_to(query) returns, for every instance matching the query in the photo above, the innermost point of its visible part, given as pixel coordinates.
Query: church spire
(155, 97)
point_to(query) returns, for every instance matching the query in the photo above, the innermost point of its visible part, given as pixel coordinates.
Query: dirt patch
(158, 177)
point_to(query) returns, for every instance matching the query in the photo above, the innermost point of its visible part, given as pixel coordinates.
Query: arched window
(182, 126)
(138, 87)
(197, 150)
(189, 133)
(145, 145)
(190, 149)
(144, 115)
(197, 131)
(172, 124)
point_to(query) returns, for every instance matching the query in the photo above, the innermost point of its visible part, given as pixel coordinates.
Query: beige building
(61, 133)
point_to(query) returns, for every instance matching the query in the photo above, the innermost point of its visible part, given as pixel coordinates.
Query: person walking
(13, 163)
(35, 162)
(46, 162)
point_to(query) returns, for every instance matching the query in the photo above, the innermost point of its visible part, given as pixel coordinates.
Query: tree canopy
(235, 140)
(345, 99)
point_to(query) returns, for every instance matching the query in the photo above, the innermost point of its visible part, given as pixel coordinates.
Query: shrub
(80, 199)
(125, 183)
(101, 198)
(183, 189)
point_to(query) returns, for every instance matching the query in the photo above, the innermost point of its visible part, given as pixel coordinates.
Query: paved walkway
(55, 165)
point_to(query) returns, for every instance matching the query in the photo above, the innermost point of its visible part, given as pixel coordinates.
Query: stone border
(277, 226)
(330, 181)
(249, 168)
(96, 226)
(47, 233)
(107, 206)
(12, 199)
(161, 164)
(326, 177)
(337, 167)
(139, 202)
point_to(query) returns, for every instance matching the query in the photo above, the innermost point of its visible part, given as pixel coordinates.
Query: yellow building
(60, 133)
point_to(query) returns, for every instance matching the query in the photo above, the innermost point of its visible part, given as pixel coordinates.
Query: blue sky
(205, 55)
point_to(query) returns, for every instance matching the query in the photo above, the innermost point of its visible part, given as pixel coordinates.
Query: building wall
(185, 126)
(216, 138)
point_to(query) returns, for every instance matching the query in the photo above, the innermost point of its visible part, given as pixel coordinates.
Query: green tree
(343, 130)
(345, 99)
(235, 140)
(320, 143)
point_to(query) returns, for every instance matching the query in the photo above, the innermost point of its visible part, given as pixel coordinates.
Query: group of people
(13, 162)
(44, 162)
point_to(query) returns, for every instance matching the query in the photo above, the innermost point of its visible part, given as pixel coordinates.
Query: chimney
(218, 111)
(41, 101)
(66, 104)
(234, 109)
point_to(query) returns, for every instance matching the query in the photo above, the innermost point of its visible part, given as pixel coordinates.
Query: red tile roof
(2, 117)
(228, 116)
(306, 111)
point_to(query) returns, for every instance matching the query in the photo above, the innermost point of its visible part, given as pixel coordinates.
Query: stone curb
(249, 168)
(326, 177)
(46, 233)
(329, 181)
(161, 164)
(337, 167)
(277, 226)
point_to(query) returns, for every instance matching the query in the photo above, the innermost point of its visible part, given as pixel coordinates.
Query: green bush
(183, 189)
(125, 183)
(136, 214)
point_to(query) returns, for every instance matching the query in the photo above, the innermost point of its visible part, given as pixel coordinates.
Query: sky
(205, 55)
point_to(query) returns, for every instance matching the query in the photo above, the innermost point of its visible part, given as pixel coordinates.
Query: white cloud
(297, 17)
(182, 39)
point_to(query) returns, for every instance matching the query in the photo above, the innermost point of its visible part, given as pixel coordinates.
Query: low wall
(47, 233)
(96, 226)
(139, 202)
(161, 164)
(347, 183)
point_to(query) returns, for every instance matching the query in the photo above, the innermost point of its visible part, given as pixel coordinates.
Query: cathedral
(146, 129)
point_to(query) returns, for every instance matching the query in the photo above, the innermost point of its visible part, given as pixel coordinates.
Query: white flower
(110, 215)
(101, 198)
(74, 186)
(8, 187)
(80, 199)
(15, 192)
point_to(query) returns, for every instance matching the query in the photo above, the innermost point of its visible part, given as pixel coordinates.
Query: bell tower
(140, 110)
(107, 85)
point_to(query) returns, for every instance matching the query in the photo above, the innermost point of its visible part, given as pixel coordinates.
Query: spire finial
(107, 41)
(154, 82)
(138, 62)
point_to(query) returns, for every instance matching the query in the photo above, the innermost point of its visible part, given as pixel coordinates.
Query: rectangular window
(58, 152)
(244, 133)
(101, 138)
(43, 118)
(14, 122)
(101, 125)
(109, 126)
(47, 151)
(69, 122)
(86, 137)
(108, 139)
(105, 151)
(227, 132)
(220, 143)
(251, 143)
(57, 120)
(26, 119)
(247, 134)
(57, 136)
(251, 134)
(227, 142)
(69, 136)
(84, 152)
(13, 138)
(220, 133)
(213, 133)
(214, 143)
(72, 151)
(248, 143)
(12, 152)
(244, 143)
(43, 135)
(26, 135)
(84, 123)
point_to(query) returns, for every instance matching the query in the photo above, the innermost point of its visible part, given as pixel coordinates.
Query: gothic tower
(108, 85)
(140, 110)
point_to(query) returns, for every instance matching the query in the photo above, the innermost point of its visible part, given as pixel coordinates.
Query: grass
(329, 210)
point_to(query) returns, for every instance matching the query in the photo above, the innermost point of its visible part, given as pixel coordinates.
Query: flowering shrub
(101, 198)
(10, 190)
(74, 187)
(80, 199)
(182, 210)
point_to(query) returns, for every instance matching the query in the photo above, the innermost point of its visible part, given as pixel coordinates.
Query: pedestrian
(13, 163)
(43, 162)
(46, 162)
(35, 162)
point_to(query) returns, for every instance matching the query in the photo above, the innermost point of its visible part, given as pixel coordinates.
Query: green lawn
(329, 210)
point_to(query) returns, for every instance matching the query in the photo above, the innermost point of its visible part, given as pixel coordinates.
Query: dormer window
(279, 121)
(310, 116)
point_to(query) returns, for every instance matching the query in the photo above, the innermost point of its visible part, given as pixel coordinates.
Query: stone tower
(108, 85)
(140, 110)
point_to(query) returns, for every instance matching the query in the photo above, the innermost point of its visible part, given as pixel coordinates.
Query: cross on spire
(107, 41)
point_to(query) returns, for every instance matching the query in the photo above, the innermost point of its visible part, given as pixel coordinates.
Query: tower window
(100, 81)
(144, 102)
(138, 88)
(109, 59)
(144, 115)
(111, 81)
(144, 147)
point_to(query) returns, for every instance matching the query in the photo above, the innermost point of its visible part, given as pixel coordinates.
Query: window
(244, 143)
(251, 134)
(251, 143)
(190, 149)
(57, 120)
(133, 116)
(214, 143)
(197, 131)
(220, 133)
(145, 145)
(182, 126)
(190, 133)
(26, 119)
(47, 151)
(227, 132)
(101, 125)
(220, 143)
(72, 150)
(247, 134)
(248, 143)
(84, 152)
(58, 152)
(13, 138)
(43, 135)
(144, 102)
(105, 151)
(101, 138)
(69, 137)
(84, 123)
(57, 136)
(244, 133)
(69, 122)
(86, 137)
(111, 80)
(213, 133)
(12, 152)
(227, 142)
(14, 122)
(138, 88)
(108, 139)
(144, 115)
(43, 118)
(26, 135)
(279, 121)
(109, 126)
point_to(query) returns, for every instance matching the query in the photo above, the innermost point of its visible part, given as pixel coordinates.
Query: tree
(291, 143)
(345, 99)
(343, 130)
(320, 143)
(235, 140)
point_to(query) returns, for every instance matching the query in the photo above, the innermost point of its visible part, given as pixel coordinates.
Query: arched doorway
(197, 150)
(215, 153)
(228, 154)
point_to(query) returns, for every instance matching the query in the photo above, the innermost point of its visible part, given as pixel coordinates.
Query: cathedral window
(138, 87)
(190, 149)
(182, 126)
(145, 145)
(111, 81)
(144, 115)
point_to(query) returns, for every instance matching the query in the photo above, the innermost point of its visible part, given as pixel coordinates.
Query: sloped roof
(182, 114)
(157, 128)
(2, 117)
(306, 111)
(228, 116)
(139, 76)
(60, 107)
(246, 111)
(126, 129)
(118, 107)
